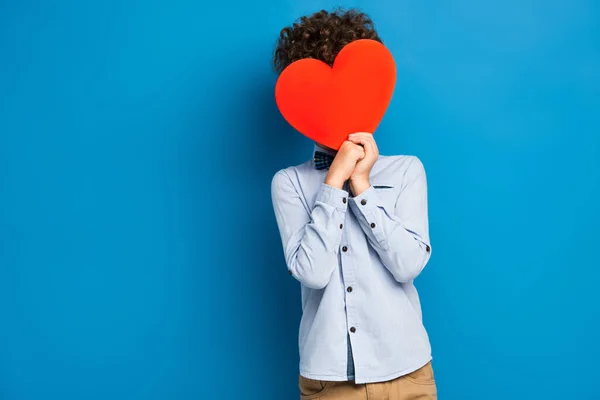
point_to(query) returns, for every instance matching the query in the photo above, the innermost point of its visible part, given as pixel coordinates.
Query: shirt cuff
(365, 206)
(333, 196)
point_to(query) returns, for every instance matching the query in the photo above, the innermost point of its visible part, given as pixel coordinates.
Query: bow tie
(322, 160)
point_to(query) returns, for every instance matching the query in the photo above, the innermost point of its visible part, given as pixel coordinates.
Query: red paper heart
(326, 103)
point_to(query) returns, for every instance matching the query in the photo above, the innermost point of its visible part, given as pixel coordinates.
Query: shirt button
(349, 289)
(353, 329)
(345, 248)
(363, 202)
(290, 271)
(344, 200)
(341, 226)
(427, 248)
(372, 224)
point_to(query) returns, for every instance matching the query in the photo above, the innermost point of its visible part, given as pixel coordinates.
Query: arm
(310, 240)
(400, 235)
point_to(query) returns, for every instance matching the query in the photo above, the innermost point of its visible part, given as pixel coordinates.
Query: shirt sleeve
(400, 235)
(310, 238)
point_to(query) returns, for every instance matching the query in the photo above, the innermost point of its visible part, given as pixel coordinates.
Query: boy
(354, 230)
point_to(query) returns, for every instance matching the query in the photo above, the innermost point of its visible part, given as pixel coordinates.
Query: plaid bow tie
(322, 160)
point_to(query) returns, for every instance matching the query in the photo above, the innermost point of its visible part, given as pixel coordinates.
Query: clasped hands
(353, 162)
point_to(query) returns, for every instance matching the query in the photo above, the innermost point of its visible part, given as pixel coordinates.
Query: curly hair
(321, 36)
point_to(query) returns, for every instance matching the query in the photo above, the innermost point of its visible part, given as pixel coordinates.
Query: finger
(369, 145)
(364, 135)
(360, 150)
(368, 136)
(352, 137)
(357, 140)
(352, 144)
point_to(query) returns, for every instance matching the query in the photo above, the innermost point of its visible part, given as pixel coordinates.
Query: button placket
(348, 263)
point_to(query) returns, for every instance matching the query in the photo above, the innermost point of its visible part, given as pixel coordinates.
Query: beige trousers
(419, 384)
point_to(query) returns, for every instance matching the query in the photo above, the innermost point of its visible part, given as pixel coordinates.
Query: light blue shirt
(356, 259)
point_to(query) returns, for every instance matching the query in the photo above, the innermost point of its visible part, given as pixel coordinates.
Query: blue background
(139, 254)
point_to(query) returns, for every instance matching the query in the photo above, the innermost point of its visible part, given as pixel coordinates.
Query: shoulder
(289, 176)
(400, 168)
(400, 163)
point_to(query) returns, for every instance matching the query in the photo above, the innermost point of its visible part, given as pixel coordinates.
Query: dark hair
(321, 36)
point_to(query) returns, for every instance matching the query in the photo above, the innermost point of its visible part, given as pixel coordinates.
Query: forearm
(403, 251)
(310, 239)
(313, 259)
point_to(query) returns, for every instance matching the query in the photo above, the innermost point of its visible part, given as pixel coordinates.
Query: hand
(359, 178)
(344, 163)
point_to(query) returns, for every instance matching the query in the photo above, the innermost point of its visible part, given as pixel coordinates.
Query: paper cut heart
(326, 104)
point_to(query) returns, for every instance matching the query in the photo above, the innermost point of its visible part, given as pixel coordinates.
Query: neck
(325, 147)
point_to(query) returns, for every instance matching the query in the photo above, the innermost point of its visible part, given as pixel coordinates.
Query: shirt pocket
(382, 186)
(386, 192)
